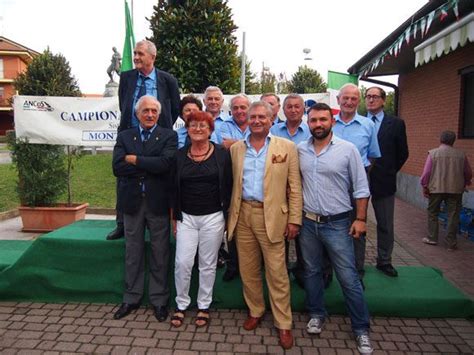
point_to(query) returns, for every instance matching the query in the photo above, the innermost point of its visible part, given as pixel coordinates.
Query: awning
(457, 34)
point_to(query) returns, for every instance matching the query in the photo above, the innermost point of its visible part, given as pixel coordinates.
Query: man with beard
(329, 166)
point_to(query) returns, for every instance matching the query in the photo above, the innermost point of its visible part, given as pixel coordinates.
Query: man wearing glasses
(392, 138)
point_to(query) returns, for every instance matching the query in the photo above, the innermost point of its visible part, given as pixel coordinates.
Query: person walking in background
(446, 174)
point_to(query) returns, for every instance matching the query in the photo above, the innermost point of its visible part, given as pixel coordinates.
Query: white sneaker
(363, 344)
(429, 241)
(315, 326)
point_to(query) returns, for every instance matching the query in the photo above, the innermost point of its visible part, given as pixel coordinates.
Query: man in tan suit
(266, 207)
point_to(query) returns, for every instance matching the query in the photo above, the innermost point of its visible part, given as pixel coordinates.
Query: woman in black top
(203, 183)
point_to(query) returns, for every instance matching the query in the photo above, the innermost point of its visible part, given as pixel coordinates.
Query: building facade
(435, 67)
(14, 59)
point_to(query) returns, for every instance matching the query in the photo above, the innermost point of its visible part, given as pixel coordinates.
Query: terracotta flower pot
(47, 219)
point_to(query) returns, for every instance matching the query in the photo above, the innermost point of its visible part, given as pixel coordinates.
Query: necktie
(374, 119)
(146, 134)
(142, 89)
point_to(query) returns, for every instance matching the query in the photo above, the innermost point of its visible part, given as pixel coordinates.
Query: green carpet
(11, 250)
(77, 264)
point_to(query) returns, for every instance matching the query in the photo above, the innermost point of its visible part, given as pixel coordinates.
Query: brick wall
(430, 103)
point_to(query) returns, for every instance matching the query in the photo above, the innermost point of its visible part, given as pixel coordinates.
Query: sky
(338, 32)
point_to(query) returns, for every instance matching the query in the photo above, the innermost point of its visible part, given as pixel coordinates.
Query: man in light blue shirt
(355, 128)
(236, 128)
(213, 100)
(360, 131)
(293, 128)
(274, 101)
(329, 167)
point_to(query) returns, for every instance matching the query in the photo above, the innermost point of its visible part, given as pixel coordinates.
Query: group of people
(262, 180)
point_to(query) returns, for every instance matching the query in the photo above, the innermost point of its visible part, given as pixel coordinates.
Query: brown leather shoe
(252, 323)
(286, 339)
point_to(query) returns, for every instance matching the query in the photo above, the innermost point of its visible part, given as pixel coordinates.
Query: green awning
(446, 41)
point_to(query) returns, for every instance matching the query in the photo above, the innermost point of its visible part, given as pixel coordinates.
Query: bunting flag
(422, 25)
(454, 4)
(129, 44)
(443, 14)
(429, 21)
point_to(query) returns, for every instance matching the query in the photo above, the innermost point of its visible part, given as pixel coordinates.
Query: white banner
(91, 122)
(67, 120)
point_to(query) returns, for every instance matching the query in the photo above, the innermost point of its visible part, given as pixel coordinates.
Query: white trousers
(202, 233)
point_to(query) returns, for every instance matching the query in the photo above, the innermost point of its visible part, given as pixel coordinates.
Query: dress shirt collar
(151, 76)
(357, 118)
(247, 140)
(379, 116)
(150, 130)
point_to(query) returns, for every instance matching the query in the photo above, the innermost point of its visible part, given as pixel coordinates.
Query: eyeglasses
(198, 125)
(372, 97)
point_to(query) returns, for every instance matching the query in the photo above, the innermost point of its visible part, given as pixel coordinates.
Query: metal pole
(242, 67)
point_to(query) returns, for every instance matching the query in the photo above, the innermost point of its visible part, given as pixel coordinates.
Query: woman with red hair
(203, 184)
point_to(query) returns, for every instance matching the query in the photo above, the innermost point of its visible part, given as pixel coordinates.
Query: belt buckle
(317, 218)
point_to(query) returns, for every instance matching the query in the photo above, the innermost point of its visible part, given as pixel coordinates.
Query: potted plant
(44, 171)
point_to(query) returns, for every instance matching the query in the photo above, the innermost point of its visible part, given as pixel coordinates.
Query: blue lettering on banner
(99, 135)
(90, 116)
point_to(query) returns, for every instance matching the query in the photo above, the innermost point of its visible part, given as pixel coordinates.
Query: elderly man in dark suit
(142, 159)
(145, 79)
(392, 139)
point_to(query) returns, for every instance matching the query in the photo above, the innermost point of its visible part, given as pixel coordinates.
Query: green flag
(337, 80)
(129, 44)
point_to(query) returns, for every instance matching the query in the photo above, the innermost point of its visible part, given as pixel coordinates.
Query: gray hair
(212, 89)
(347, 86)
(239, 96)
(292, 96)
(263, 104)
(270, 94)
(447, 137)
(149, 45)
(143, 98)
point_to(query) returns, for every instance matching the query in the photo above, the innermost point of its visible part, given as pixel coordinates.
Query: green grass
(8, 197)
(92, 182)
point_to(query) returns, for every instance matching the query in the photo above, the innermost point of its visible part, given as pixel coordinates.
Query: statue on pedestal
(115, 64)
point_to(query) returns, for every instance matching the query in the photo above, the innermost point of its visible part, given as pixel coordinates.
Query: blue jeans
(335, 237)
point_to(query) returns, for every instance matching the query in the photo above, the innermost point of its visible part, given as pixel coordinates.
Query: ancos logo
(32, 105)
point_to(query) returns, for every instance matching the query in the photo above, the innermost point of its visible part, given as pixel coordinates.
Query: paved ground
(32, 328)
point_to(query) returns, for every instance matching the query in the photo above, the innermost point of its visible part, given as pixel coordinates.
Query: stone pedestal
(111, 89)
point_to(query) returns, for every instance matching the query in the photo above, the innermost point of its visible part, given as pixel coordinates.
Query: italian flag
(337, 80)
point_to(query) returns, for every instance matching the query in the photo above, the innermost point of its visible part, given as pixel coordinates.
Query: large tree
(305, 81)
(196, 43)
